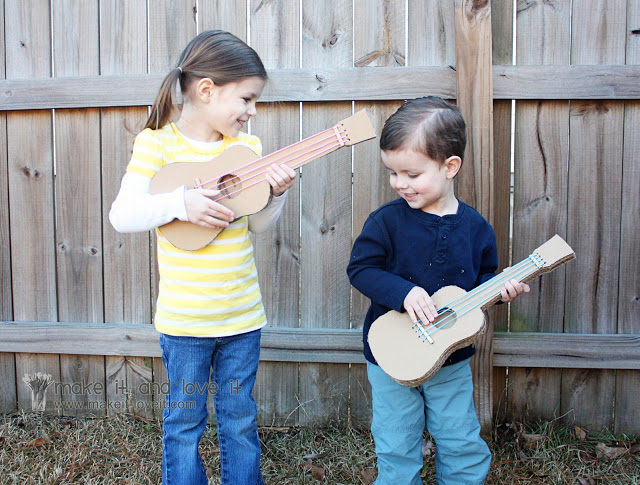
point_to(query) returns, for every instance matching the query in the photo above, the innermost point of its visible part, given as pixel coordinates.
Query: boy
(408, 249)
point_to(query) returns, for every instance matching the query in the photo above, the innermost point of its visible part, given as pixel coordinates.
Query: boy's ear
(453, 165)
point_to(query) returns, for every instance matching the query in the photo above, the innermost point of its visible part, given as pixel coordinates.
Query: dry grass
(37, 449)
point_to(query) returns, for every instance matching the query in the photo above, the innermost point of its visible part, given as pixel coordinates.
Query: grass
(122, 449)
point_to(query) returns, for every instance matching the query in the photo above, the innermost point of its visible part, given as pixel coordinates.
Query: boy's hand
(512, 289)
(420, 306)
(281, 178)
(204, 211)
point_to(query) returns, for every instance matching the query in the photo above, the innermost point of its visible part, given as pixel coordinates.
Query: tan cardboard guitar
(411, 354)
(240, 175)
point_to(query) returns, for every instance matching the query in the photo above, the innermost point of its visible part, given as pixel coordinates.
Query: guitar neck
(488, 293)
(307, 150)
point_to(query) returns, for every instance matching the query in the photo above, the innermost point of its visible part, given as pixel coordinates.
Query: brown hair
(429, 125)
(214, 54)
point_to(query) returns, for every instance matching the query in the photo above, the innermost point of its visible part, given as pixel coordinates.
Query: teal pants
(445, 405)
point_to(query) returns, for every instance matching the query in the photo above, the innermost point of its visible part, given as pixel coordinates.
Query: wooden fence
(553, 148)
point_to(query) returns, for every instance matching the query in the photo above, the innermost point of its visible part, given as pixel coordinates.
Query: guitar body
(242, 198)
(392, 336)
(239, 174)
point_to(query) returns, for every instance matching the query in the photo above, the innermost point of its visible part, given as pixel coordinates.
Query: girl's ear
(205, 89)
(453, 164)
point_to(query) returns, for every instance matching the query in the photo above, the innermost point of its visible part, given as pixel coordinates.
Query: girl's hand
(281, 178)
(420, 306)
(204, 211)
(512, 289)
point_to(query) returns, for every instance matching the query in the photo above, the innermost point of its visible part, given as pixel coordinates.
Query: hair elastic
(180, 69)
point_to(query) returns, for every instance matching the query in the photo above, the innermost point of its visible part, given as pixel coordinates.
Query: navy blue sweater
(401, 247)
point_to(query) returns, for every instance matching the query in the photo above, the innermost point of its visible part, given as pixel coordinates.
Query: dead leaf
(368, 475)
(38, 442)
(604, 451)
(428, 448)
(580, 433)
(530, 440)
(314, 456)
(585, 481)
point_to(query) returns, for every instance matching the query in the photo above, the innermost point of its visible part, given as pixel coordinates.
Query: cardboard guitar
(240, 175)
(411, 354)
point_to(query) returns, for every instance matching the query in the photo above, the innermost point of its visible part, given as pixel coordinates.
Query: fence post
(475, 182)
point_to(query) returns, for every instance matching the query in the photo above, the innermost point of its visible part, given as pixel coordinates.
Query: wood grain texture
(335, 84)
(127, 258)
(275, 35)
(595, 181)
(327, 41)
(8, 397)
(502, 49)
(30, 176)
(476, 177)
(329, 345)
(78, 239)
(540, 201)
(627, 389)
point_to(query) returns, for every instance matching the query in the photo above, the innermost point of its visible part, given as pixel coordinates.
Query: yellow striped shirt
(214, 291)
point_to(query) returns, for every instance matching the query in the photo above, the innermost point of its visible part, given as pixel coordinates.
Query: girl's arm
(267, 217)
(136, 210)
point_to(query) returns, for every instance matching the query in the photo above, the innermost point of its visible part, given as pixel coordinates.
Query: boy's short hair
(429, 125)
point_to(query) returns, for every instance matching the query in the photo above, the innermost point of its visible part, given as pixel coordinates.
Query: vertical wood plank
(378, 41)
(540, 201)
(275, 34)
(171, 26)
(30, 175)
(127, 278)
(8, 384)
(432, 34)
(502, 42)
(327, 41)
(475, 181)
(595, 181)
(77, 200)
(627, 389)
(223, 15)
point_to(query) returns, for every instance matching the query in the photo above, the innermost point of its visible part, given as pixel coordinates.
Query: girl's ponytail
(164, 103)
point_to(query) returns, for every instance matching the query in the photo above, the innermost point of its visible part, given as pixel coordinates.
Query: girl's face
(424, 183)
(232, 105)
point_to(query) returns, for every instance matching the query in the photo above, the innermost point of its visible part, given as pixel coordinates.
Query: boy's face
(424, 183)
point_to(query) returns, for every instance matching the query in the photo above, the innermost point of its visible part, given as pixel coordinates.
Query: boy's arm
(367, 269)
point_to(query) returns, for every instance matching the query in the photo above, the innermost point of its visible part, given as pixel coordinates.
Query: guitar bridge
(422, 331)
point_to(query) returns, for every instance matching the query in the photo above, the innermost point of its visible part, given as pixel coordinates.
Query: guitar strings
(484, 293)
(330, 148)
(288, 157)
(274, 153)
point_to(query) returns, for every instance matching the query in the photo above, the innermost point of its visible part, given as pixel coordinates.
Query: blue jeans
(189, 361)
(445, 404)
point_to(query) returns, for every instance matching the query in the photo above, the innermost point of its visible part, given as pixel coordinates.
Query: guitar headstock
(554, 253)
(358, 128)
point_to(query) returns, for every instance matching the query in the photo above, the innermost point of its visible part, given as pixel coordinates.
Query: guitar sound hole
(445, 320)
(229, 185)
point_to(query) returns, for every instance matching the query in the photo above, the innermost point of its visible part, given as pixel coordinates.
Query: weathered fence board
(7, 360)
(126, 257)
(540, 201)
(30, 175)
(627, 389)
(330, 345)
(502, 48)
(595, 177)
(476, 177)
(275, 31)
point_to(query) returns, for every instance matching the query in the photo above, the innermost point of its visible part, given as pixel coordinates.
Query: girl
(209, 310)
